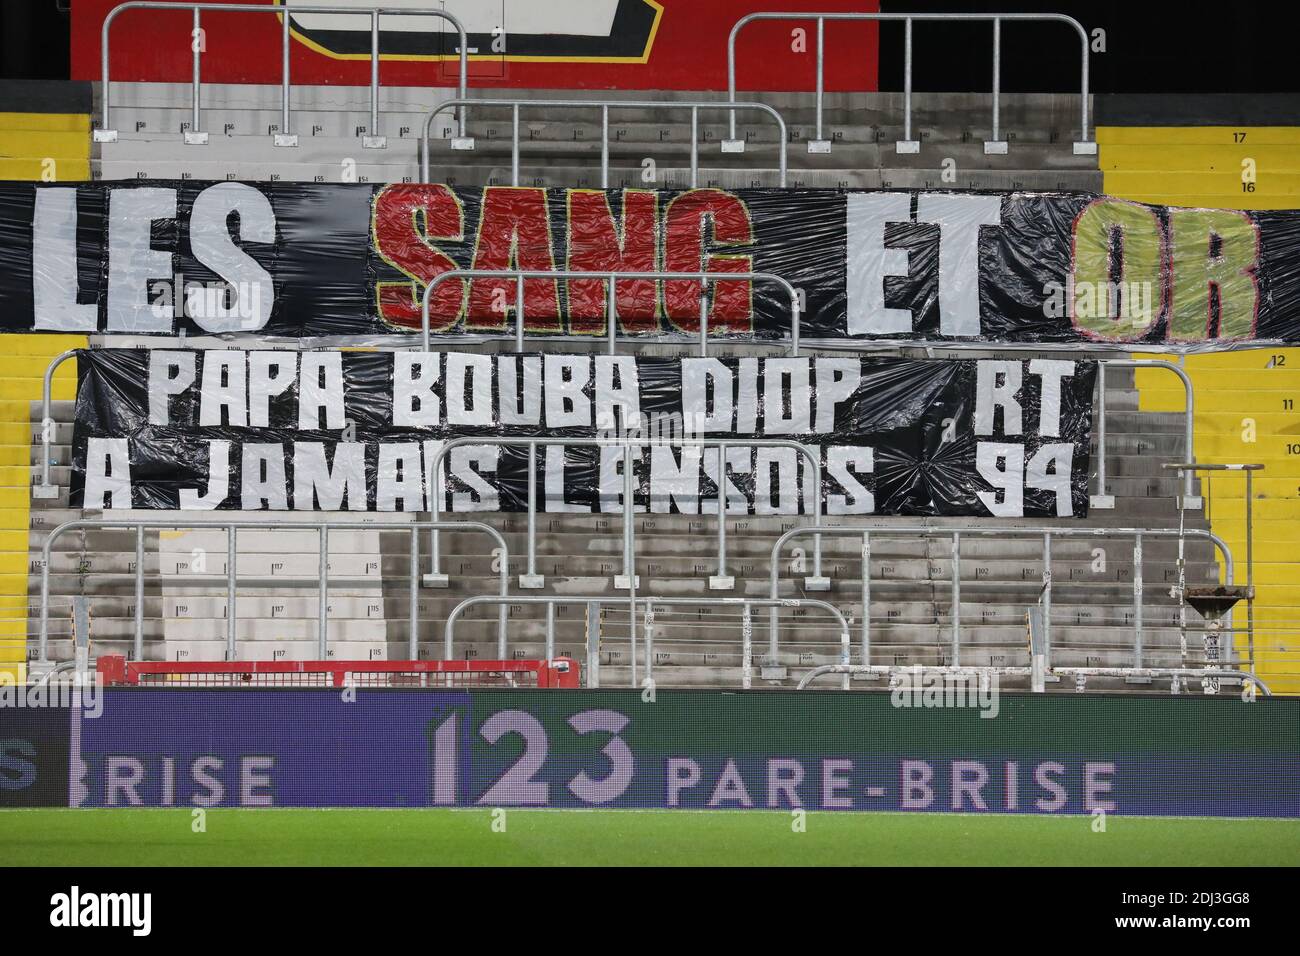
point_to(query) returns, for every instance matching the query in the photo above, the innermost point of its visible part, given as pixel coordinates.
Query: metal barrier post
(322, 639)
(907, 144)
(997, 145)
(550, 636)
(746, 648)
(1101, 499)
(704, 318)
(695, 146)
(866, 597)
(1047, 593)
(629, 555)
(722, 581)
(139, 594)
(592, 669)
(232, 651)
(1137, 599)
(374, 140)
(611, 316)
(195, 136)
(820, 144)
(413, 639)
(629, 506)
(604, 146)
(530, 579)
(514, 146)
(649, 626)
(285, 137)
(956, 598)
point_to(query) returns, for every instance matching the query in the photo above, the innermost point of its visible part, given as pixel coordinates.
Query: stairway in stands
(44, 136)
(1246, 402)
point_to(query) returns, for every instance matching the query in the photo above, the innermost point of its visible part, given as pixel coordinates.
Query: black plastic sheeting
(895, 436)
(309, 259)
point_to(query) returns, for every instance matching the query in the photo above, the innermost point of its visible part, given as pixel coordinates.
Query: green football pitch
(629, 837)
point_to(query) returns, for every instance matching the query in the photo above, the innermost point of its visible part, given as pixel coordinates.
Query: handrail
(45, 490)
(907, 144)
(605, 106)
(1102, 500)
(285, 138)
(814, 583)
(648, 600)
(519, 275)
(231, 527)
(1047, 532)
(1078, 672)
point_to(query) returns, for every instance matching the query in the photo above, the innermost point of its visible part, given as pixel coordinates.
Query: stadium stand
(911, 578)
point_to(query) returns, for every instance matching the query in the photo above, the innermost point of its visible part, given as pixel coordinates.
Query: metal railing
(649, 601)
(605, 106)
(721, 581)
(286, 137)
(232, 528)
(1189, 468)
(1079, 673)
(611, 298)
(1101, 500)
(1046, 532)
(908, 144)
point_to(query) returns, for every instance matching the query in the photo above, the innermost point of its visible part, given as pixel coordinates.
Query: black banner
(312, 259)
(348, 430)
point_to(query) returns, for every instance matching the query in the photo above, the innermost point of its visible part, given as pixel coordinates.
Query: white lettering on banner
(414, 402)
(399, 484)
(467, 461)
(996, 386)
(555, 484)
(959, 219)
(871, 264)
(315, 484)
(320, 386)
(269, 374)
(262, 477)
(54, 265)
(521, 402)
(469, 389)
(1016, 416)
(133, 261)
(224, 399)
(248, 283)
(218, 480)
(567, 379)
(108, 473)
(239, 301)
(163, 384)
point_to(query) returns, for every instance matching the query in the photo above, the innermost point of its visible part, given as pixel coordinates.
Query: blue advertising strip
(35, 751)
(690, 750)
